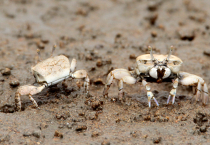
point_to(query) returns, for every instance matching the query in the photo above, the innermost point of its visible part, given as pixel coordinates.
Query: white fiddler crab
(49, 72)
(158, 68)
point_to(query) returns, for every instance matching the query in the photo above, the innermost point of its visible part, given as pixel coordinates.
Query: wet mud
(102, 36)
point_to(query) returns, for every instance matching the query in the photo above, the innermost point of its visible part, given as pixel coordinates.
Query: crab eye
(176, 62)
(144, 61)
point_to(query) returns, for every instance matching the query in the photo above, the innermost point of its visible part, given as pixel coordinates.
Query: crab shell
(144, 62)
(53, 69)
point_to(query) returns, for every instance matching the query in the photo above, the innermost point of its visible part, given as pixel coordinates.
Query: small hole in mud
(188, 38)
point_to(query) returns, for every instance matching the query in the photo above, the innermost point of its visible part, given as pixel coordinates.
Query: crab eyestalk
(171, 49)
(151, 54)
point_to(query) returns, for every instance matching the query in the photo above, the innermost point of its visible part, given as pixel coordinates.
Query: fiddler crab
(158, 68)
(49, 72)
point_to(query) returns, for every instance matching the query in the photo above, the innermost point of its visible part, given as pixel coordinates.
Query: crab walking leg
(173, 91)
(128, 80)
(198, 91)
(82, 74)
(115, 74)
(17, 101)
(107, 86)
(33, 101)
(27, 90)
(187, 79)
(149, 93)
(73, 65)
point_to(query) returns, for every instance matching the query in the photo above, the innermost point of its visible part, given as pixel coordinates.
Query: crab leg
(33, 101)
(128, 80)
(173, 91)
(82, 74)
(17, 101)
(149, 93)
(27, 90)
(188, 79)
(122, 75)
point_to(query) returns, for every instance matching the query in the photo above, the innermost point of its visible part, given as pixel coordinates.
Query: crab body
(52, 70)
(157, 68)
(145, 64)
(49, 72)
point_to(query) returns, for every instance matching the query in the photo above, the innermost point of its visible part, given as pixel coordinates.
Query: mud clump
(202, 123)
(207, 52)
(186, 34)
(95, 103)
(58, 134)
(6, 71)
(157, 140)
(200, 118)
(14, 83)
(105, 143)
(81, 128)
(95, 134)
(7, 108)
(4, 138)
(35, 133)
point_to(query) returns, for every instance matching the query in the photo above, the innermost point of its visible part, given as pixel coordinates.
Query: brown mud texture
(102, 35)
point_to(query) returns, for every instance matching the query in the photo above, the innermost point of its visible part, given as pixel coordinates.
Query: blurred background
(102, 35)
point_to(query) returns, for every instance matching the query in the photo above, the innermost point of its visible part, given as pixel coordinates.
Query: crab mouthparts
(160, 74)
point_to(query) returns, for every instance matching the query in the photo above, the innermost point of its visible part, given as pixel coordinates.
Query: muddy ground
(102, 35)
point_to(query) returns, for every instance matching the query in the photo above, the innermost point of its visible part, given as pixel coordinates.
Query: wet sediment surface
(102, 36)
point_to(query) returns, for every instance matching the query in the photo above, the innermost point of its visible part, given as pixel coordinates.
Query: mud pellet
(203, 129)
(6, 71)
(157, 140)
(14, 83)
(58, 134)
(206, 52)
